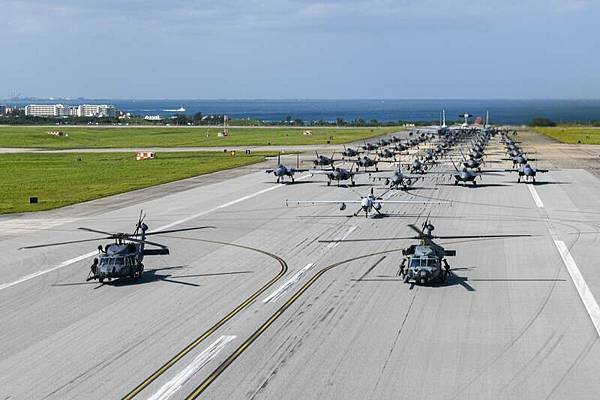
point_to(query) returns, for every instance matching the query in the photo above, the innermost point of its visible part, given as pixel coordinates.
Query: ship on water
(180, 109)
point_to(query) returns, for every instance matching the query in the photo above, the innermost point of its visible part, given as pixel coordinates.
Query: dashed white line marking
(334, 244)
(535, 195)
(171, 387)
(585, 294)
(171, 225)
(279, 292)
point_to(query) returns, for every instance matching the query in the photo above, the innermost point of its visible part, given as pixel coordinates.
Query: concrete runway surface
(258, 309)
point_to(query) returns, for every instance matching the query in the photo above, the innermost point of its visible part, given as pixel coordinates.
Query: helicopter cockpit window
(415, 263)
(431, 262)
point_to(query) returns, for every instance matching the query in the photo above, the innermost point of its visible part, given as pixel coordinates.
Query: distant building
(96, 110)
(2, 110)
(153, 118)
(59, 110)
(46, 110)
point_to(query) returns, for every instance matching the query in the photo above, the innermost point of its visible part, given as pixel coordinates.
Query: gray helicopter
(425, 263)
(281, 171)
(526, 171)
(124, 257)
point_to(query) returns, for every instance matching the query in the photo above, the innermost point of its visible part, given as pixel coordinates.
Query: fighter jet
(350, 152)
(526, 171)
(281, 171)
(323, 161)
(367, 162)
(398, 180)
(337, 174)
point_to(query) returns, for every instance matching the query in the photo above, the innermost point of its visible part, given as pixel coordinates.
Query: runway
(259, 309)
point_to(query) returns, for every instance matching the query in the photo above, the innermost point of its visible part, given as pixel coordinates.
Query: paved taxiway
(288, 317)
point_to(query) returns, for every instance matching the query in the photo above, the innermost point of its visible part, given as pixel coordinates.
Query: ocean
(501, 111)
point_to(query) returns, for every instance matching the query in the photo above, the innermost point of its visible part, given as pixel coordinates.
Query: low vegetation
(572, 134)
(138, 137)
(67, 178)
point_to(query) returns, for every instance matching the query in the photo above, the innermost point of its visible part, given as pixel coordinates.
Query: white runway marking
(171, 387)
(168, 226)
(279, 292)
(334, 244)
(38, 273)
(535, 195)
(582, 288)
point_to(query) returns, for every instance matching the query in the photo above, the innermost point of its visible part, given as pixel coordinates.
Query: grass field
(112, 137)
(62, 179)
(572, 134)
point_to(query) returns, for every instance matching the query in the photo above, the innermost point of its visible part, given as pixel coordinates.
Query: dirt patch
(553, 154)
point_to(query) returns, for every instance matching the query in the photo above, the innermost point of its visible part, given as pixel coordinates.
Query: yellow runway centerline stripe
(223, 366)
(217, 325)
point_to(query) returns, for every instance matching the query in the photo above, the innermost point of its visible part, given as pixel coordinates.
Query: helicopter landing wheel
(101, 280)
(329, 183)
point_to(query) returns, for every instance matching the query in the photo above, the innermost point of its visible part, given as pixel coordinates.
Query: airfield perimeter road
(511, 323)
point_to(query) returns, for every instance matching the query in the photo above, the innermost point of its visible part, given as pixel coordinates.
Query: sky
(312, 49)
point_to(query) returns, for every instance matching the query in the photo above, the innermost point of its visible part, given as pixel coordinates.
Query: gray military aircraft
(124, 257)
(337, 174)
(350, 152)
(526, 171)
(425, 263)
(386, 153)
(417, 167)
(367, 162)
(370, 146)
(281, 171)
(398, 180)
(323, 161)
(368, 204)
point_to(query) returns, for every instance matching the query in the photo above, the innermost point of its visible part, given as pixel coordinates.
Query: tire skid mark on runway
(265, 326)
(218, 324)
(168, 226)
(387, 360)
(554, 234)
(171, 387)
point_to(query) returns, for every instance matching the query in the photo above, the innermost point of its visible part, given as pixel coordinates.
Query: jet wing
(313, 202)
(409, 202)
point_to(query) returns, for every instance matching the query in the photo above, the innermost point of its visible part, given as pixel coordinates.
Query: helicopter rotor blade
(414, 228)
(179, 230)
(97, 231)
(61, 243)
(367, 239)
(480, 236)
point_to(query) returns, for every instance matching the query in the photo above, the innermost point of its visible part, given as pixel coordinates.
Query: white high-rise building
(46, 110)
(96, 110)
(58, 110)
